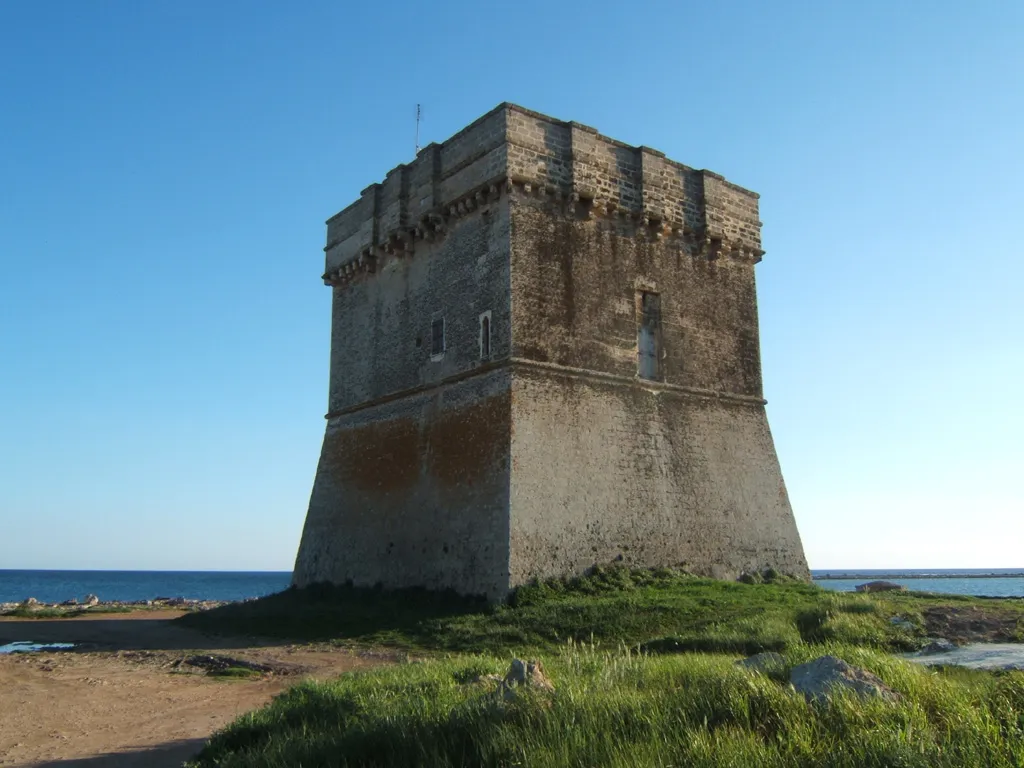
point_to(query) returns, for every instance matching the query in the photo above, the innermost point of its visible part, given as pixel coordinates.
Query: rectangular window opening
(648, 341)
(437, 337)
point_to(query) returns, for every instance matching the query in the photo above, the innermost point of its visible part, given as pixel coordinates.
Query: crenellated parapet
(514, 150)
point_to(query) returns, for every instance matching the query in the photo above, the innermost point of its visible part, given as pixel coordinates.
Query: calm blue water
(985, 582)
(57, 586)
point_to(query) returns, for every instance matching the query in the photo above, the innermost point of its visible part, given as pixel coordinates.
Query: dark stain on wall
(456, 446)
(574, 283)
(378, 457)
(464, 443)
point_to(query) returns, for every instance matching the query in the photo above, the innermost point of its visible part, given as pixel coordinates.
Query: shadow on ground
(170, 755)
(137, 632)
(414, 617)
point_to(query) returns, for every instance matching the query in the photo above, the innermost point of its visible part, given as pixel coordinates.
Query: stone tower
(544, 355)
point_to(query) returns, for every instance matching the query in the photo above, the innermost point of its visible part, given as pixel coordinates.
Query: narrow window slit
(485, 336)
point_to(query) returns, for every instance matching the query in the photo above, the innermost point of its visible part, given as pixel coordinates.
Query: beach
(125, 696)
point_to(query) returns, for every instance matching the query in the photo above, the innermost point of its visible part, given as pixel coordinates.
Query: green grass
(662, 610)
(621, 709)
(643, 662)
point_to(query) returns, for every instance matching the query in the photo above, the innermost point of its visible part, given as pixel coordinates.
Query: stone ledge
(515, 363)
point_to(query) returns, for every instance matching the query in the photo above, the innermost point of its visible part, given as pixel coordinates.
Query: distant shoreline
(842, 576)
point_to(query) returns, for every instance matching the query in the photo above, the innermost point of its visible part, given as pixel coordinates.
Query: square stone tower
(544, 356)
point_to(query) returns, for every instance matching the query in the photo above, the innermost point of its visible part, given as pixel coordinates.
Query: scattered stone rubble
(217, 665)
(92, 601)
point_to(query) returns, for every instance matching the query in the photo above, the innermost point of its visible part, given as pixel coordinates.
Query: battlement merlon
(512, 147)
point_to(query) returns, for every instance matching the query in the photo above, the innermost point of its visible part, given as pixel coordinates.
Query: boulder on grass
(91, 600)
(938, 645)
(901, 623)
(524, 674)
(767, 663)
(820, 678)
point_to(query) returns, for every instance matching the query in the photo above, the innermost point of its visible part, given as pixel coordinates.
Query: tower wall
(414, 492)
(412, 484)
(676, 469)
(658, 478)
(606, 466)
(545, 451)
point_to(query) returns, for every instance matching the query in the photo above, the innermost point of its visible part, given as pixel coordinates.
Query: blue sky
(166, 168)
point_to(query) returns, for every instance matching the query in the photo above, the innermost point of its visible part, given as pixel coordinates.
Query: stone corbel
(748, 255)
(369, 260)
(409, 235)
(712, 247)
(435, 222)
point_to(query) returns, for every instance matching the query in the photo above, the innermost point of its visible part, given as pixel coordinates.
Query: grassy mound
(626, 696)
(623, 709)
(655, 611)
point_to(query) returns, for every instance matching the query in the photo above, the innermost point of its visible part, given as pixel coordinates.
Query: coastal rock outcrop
(880, 586)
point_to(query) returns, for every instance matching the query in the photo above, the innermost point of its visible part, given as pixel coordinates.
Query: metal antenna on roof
(418, 113)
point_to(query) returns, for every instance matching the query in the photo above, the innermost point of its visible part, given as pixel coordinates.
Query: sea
(980, 582)
(129, 586)
(58, 586)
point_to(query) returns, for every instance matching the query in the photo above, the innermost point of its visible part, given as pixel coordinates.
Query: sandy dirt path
(124, 697)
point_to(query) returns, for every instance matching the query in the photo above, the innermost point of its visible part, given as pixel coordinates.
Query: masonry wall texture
(543, 452)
